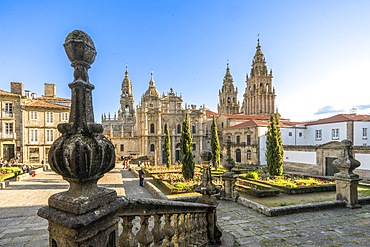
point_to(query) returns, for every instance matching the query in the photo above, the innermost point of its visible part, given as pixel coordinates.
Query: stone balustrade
(172, 223)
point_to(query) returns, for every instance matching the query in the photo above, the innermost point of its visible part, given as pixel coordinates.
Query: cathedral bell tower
(127, 112)
(228, 96)
(259, 96)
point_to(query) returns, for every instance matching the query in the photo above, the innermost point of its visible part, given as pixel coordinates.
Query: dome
(152, 91)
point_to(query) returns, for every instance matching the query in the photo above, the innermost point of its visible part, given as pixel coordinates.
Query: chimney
(50, 90)
(17, 88)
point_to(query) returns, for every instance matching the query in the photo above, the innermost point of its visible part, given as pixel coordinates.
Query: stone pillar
(208, 189)
(346, 181)
(228, 178)
(85, 215)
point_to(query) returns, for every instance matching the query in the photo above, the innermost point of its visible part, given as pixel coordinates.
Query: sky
(318, 50)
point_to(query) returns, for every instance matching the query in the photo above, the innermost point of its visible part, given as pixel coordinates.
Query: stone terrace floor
(20, 226)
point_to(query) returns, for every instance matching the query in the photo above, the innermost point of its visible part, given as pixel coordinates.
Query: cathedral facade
(140, 132)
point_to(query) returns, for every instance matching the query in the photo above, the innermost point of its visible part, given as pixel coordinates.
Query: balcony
(8, 136)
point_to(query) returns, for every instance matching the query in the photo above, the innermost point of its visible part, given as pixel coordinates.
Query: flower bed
(297, 184)
(176, 183)
(9, 172)
(254, 188)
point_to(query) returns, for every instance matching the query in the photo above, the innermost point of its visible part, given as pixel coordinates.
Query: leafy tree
(186, 150)
(167, 146)
(274, 147)
(215, 145)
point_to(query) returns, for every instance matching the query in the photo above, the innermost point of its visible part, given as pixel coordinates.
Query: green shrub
(253, 175)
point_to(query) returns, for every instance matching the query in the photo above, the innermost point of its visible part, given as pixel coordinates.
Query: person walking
(141, 176)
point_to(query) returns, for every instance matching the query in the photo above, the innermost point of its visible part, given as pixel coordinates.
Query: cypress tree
(274, 147)
(215, 145)
(167, 146)
(186, 150)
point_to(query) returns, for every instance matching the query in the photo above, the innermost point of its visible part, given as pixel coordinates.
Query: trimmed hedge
(298, 189)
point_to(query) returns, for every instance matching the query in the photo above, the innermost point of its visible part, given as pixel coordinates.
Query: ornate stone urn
(82, 154)
(228, 162)
(346, 181)
(86, 214)
(207, 187)
(346, 163)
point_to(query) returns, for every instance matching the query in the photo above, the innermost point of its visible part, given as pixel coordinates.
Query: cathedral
(139, 131)
(259, 95)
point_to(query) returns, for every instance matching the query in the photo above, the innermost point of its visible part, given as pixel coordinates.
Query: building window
(222, 125)
(194, 146)
(151, 147)
(34, 155)
(49, 136)
(8, 109)
(152, 128)
(193, 129)
(64, 116)
(238, 155)
(364, 133)
(179, 129)
(9, 130)
(248, 139)
(318, 134)
(237, 139)
(33, 115)
(249, 154)
(49, 117)
(33, 136)
(300, 134)
(122, 149)
(335, 134)
(290, 134)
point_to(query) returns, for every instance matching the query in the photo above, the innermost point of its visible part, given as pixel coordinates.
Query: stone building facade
(141, 132)
(10, 123)
(29, 123)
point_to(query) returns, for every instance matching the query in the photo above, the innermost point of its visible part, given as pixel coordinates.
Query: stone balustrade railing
(172, 223)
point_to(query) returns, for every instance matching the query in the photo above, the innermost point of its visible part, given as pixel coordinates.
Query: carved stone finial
(207, 187)
(346, 163)
(82, 154)
(228, 163)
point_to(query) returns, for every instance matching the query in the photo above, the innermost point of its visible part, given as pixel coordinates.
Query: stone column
(346, 181)
(208, 189)
(228, 178)
(85, 215)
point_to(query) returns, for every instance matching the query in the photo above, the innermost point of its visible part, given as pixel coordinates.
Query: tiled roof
(53, 99)
(250, 117)
(45, 104)
(251, 123)
(340, 118)
(2, 92)
(211, 113)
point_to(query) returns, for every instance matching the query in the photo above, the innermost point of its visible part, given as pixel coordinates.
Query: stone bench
(27, 175)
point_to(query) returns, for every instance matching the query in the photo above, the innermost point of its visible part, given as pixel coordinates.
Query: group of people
(5, 163)
(28, 169)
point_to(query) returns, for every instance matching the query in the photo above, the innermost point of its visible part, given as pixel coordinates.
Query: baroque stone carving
(82, 154)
